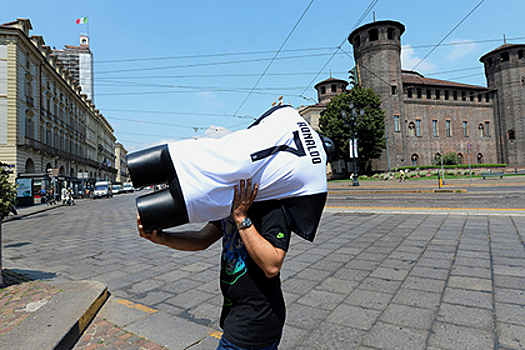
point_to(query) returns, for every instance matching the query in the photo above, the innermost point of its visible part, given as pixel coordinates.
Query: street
(369, 281)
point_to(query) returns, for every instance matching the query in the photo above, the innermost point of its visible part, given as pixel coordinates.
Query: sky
(172, 70)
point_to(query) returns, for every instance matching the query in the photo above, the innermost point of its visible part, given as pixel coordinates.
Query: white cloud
(216, 132)
(409, 59)
(461, 48)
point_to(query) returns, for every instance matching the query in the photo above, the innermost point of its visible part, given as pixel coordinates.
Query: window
(504, 56)
(480, 158)
(390, 33)
(333, 88)
(463, 96)
(357, 41)
(447, 94)
(29, 128)
(455, 94)
(410, 92)
(323, 90)
(481, 130)
(411, 129)
(471, 97)
(396, 123)
(460, 158)
(435, 128)
(487, 129)
(480, 97)
(449, 130)
(438, 94)
(414, 160)
(521, 54)
(487, 97)
(511, 135)
(465, 128)
(373, 35)
(429, 94)
(418, 127)
(394, 90)
(419, 93)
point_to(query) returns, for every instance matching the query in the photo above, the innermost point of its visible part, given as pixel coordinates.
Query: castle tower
(329, 88)
(377, 53)
(505, 72)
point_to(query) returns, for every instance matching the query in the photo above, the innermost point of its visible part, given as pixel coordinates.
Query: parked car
(128, 187)
(116, 189)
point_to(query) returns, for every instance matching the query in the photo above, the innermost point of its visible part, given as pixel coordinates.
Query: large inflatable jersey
(280, 152)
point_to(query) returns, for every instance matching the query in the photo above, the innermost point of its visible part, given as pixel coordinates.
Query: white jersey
(280, 152)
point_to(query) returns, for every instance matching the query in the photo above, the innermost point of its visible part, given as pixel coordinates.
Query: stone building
(121, 164)
(48, 126)
(427, 118)
(78, 60)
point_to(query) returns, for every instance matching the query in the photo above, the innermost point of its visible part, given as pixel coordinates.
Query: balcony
(30, 101)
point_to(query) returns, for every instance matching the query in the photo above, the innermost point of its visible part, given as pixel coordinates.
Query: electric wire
(275, 56)
(448, 34)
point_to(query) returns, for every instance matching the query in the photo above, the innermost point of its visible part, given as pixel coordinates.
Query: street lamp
(353, 143)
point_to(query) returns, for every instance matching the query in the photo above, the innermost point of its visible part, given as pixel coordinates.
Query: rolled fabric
(279, 151)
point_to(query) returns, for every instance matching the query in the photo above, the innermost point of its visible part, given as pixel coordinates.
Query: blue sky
(170, 70)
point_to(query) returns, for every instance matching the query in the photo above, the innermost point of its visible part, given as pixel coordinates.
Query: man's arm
(186, 240)
(266, 256)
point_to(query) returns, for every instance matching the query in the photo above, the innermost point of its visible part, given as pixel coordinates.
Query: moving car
(103, 190)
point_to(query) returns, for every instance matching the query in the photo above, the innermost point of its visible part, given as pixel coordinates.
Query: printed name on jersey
(310, 143)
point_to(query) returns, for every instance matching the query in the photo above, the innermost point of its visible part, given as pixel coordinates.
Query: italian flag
(82, 20)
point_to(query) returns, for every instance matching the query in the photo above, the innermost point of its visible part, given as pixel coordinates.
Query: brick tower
(505, 72)
(377, 53)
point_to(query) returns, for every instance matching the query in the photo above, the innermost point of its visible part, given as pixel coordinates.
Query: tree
(370, 128)
(7, 204)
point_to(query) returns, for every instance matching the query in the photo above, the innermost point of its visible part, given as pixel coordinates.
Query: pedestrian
(255, 239)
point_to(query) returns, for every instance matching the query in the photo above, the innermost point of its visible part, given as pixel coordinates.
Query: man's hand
(244, 195)
(155, 236)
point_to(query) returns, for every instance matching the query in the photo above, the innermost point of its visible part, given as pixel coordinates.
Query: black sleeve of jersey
(217, 223)
(270, 220)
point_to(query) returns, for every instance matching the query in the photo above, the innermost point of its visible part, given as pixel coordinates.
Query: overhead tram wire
(448, 34)
(367, 11)
(210, 55)
(275, 56)
(209, 64)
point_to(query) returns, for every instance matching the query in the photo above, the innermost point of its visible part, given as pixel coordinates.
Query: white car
(116, 189)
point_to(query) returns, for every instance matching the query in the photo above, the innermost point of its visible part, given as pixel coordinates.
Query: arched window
(414, 160)
(481, 129)
(480, 158)
(411, 129)
(30, 166)
(511, 135)
(460, 158)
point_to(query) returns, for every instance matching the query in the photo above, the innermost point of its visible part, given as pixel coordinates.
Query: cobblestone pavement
(19, 298)
(103, 335)
(369, 281)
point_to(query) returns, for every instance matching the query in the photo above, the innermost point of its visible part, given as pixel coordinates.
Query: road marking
(216, 334)
(421, 208)
(140, 307)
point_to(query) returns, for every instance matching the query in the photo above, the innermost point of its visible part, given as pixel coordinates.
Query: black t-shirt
(253, 312)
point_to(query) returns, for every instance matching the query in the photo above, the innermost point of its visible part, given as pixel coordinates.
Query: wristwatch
(245, 223)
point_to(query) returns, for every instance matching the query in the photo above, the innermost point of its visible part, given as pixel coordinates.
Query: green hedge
(459, 166)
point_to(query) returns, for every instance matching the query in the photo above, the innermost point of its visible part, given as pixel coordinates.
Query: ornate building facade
(48, 126)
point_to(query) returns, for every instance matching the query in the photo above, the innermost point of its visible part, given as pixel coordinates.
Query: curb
(20, 216)
(59, 322)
